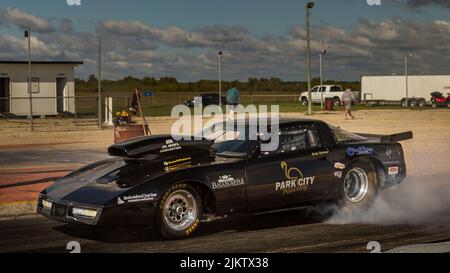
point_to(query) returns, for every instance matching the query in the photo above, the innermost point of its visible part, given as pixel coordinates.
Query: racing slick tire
(179, 212)
(359, 187)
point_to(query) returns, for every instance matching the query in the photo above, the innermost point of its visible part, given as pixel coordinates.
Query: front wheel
(359, 187)
(179, 211)
(404, 103)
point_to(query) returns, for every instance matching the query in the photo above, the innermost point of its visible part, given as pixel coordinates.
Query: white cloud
(137, 49)
(24, 20)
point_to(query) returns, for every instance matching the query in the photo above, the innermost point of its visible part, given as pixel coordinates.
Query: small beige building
(52, 87)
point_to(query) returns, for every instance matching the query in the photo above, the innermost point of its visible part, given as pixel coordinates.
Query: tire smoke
(417, 200)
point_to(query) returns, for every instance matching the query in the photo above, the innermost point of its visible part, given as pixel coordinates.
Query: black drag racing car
(175, 185)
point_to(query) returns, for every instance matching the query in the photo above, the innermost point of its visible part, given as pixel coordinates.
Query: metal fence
(86, 106)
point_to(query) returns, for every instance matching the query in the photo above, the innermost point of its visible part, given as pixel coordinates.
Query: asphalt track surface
(292, 231)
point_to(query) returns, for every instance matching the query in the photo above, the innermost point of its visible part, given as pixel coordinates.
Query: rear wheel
(337, 102)
(413, 103)
(359, 187)
(422, 103)
(179, 211)
(304, 101)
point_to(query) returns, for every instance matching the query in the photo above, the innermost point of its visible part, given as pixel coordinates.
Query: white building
(52, 87)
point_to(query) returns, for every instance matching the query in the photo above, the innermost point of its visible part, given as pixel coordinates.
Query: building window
(34, 85)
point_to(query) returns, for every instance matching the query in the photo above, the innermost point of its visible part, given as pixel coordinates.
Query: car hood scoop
(160, 146)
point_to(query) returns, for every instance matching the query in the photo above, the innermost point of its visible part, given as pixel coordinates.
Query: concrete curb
(18, 209)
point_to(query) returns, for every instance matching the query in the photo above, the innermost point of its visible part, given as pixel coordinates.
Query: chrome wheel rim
(180, 210)
(356, 185)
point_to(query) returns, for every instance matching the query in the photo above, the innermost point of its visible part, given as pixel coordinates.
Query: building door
(4, 95)
(60, 88)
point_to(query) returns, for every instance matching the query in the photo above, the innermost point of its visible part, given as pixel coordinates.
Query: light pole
(220, 77)
(309, 6)
(322, 53)
(99, 95)
(30, 95)
(406, 79)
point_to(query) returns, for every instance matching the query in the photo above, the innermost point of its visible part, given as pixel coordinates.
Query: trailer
(382, 90)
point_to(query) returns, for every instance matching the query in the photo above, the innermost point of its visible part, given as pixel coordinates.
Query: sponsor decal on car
(180, 163)
(320, 153)
(338, 174)
(170, 146)
(388, 152)
(393, 170)
(227, 181)
(136, 198)
(339, 165)
(296, 181)
(359, 151)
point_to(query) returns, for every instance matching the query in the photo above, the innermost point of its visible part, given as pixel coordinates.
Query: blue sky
(259, 16)
(266, 24)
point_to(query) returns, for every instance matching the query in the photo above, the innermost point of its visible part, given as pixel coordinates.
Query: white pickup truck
(334, 92)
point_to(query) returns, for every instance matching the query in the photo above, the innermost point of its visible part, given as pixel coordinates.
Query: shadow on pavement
(235, 223)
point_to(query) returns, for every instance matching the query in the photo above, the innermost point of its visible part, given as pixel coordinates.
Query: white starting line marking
(422, 248)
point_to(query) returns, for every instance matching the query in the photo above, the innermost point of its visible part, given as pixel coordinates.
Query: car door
(297, 172)
(315, 94)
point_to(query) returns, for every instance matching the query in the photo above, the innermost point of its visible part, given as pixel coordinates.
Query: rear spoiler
(398, 137)
(391, 138)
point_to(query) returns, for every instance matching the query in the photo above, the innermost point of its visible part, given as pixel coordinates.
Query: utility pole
(406, 78)
(220, 78)
(309, 6)
(99, 95)
(322, 53)
(30, 94)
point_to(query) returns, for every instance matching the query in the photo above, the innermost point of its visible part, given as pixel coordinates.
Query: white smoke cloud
(418, 200)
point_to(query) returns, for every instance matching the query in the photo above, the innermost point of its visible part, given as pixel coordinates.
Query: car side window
(336, 89)
(315, 89)
(296, 138)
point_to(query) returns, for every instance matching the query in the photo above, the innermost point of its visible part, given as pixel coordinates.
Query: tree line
(171, 84)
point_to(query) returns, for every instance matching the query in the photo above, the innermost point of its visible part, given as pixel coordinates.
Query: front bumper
(126, 215)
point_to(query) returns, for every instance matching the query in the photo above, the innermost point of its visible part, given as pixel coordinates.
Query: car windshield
(344, 136)
(230, 140)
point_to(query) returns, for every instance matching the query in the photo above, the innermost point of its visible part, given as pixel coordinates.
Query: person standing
(135, 101)
(233, 100)
(349, 98)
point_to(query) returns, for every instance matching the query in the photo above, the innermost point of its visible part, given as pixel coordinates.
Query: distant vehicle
(382, 90)
(334, 92)
(438, 99)
(207, 99)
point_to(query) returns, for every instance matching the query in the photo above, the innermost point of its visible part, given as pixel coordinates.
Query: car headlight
(91, 213)
(47, 204)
